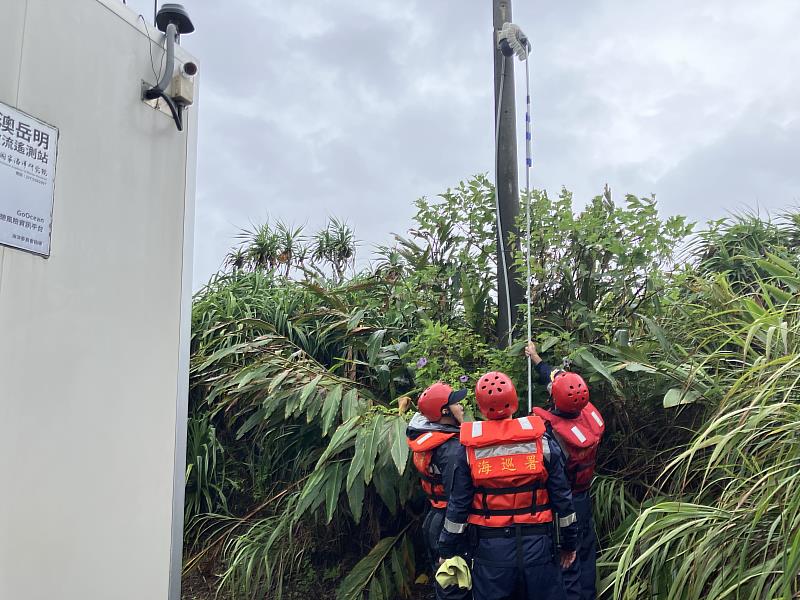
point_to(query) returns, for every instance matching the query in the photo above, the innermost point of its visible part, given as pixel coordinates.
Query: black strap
(493, 491)
(508, 512)
(433, 480)
(483, 532)
(489, 491)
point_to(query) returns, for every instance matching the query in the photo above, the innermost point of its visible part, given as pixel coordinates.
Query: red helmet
(570, 392)
(436, 397)
(496, 395)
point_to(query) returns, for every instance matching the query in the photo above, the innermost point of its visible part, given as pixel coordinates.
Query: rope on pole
(528, 166)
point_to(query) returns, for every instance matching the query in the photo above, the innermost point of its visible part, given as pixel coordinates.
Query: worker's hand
(403, 404)
(530, 350)
(441, 562)
(567, 558)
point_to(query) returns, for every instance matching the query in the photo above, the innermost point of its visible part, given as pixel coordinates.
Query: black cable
(150, 48)
(175, 108)
(159, 90)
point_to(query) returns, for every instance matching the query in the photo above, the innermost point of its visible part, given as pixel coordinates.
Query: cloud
(325, 107)
(712, 181)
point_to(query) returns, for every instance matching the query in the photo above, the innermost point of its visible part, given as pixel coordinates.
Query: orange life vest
(422, 448)
(506, 460)
(580, 438)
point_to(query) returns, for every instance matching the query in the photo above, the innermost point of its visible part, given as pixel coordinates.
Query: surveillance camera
(182, 90)
(189, 69)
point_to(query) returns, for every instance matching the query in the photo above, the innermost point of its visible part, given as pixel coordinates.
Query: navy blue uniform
(443, 459)
(514, 559)
(580, 577)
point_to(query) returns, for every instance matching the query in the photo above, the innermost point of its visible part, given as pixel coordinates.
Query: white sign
(27, 176)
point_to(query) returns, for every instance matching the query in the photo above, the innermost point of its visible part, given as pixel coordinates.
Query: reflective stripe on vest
(576, 431)
(423, 438)
(506, 449)
(525, 423)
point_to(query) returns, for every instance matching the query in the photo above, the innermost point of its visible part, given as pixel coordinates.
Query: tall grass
(729, 525)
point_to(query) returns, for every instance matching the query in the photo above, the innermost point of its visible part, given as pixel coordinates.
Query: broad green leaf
(248, 375)
(400, 575)
(756, 311)
(350, 405)
(333, 487)
(774, 265)
(355, 497)
(308, 390)
(407, 550)
(252, 421)
(386, 490)
(292, 402)
(598, 366)
(238, 348)
(781, 296)
(340, 440)
(386, 582)
(374, 346)
(314, 407)
(272, 403)
(399, 444)
(677, 396)
(373, 443)
(361, 576)
(312, 494)
(357, 464)
(355, 319)
(638, 367)
(330, 408)
(277, 380)
(375, 590)
(658, 332)
(548, 343)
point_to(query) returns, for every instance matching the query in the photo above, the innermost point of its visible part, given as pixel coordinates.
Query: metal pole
(507, 177)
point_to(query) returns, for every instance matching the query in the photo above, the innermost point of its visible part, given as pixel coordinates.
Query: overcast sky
(311, 108)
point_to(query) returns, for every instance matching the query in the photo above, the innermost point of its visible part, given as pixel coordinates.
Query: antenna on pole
(173, 20)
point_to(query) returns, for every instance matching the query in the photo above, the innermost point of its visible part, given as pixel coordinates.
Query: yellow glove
(454, 571)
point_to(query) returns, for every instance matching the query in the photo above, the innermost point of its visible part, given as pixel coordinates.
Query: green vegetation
(298, 480)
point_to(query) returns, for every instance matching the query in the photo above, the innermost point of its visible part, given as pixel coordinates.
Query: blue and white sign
(27, 180)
